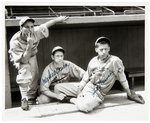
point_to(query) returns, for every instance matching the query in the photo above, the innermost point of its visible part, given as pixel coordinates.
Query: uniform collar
(54, 66)
(105, 59)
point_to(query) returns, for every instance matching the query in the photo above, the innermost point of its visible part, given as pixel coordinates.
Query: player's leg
(43, 99)
(88, 99)
(24, 96)
(33, 86)
(69, 89)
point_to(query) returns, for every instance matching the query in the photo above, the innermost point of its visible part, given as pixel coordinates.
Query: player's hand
(17, 65)
(62, 18)
(92, 78)
(30, 39)
(61, 96)
(95, 78)
(136, 97)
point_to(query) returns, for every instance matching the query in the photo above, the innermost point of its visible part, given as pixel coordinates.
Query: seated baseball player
(102, 72)
(56, 77)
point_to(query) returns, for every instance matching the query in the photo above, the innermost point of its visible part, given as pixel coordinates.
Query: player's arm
(46, 91)
(83, 82)
(123, 80)
(85, 79)
(125, 85)
(75, 71)
(56, 20)
(54, 95)
(46, 83)
(131, 95)
(28, 52)
(119, 72)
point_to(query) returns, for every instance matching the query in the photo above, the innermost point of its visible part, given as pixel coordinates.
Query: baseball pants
(27, 78)
(88, 99)
(70, 89)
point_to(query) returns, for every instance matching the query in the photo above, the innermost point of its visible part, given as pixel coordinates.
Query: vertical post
(132, 83)
(8, 101)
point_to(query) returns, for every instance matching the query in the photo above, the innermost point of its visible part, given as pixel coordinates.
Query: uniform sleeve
(45, 80)
(76, 71)
(119, 70)
(15, 52)
(87, 74)
(41, 31)
(86, 77)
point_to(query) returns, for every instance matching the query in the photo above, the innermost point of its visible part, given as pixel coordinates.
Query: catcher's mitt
(136, 97)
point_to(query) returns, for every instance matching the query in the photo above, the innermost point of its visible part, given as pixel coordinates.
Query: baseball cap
(100, 39)
(57, 48)
(25, 19)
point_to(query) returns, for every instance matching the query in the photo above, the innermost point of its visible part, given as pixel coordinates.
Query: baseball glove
(136, 97)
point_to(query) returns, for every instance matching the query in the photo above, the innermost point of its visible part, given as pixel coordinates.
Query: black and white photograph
(78, 61)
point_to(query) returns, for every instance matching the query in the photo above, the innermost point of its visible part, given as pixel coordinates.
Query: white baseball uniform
(109, 70)
(27, 73)
(58, 79)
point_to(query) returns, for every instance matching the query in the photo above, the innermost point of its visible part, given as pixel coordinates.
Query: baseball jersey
(110, 70)
(53, 75)
(27, 72)
(18, 46)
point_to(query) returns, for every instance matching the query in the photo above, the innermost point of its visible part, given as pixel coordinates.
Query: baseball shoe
(66, 100)
(31, 101)
(37, 102)
(24, 104)
(73, 100)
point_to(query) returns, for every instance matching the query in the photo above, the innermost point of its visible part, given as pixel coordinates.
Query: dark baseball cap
(100, 39)
(25, 19)
(57, 48)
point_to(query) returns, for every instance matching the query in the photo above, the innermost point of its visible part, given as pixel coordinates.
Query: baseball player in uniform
(55, 81)
(102, 72)
(23, 49)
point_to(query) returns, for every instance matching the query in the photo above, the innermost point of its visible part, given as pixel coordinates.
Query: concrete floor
(139, 86)
(128, 112)
(123, 113)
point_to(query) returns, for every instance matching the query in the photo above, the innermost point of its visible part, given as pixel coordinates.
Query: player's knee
(87, 103)
(84, 107)
(43, 99)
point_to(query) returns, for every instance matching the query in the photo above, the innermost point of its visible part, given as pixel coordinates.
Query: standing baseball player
(102, 72)
(55, 81)
(23, 49)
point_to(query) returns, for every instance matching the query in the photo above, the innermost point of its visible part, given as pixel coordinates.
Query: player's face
(58, 57)
(102, 50)
(28, 27)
